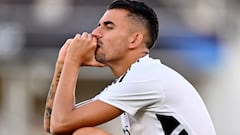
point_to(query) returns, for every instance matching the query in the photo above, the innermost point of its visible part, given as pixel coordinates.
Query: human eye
(109, 27)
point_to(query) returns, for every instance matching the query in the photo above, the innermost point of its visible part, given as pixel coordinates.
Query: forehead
(115, 15)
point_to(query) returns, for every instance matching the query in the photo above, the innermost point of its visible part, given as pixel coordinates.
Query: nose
(96, 32)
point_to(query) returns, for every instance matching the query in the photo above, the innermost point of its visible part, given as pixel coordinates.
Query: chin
(100, 58)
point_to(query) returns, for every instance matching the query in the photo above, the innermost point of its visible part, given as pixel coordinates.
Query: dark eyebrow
(107, 23)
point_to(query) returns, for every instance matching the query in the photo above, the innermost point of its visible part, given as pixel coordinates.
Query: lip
(98, 46)
(99, 43)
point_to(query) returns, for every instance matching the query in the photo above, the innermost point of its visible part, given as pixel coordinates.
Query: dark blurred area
(198, 38)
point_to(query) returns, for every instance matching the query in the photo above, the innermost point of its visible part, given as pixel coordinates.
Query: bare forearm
(51, 95)
(64, 101)
(65, 117)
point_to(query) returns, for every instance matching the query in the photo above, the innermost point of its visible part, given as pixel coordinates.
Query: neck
(119, 68)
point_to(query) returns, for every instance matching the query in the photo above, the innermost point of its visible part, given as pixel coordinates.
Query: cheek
(118, 45)
(120, 41)
(117, 41)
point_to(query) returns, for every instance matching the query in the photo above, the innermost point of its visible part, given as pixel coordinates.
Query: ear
(136, 40)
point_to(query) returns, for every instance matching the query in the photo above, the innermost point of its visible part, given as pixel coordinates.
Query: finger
(93, 39)
(97, 64)
(84, 35)
(69, 41)
(100, 65)
(89, 36)
(75, 39)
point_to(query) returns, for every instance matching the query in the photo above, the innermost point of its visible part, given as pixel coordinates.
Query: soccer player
(151, 98)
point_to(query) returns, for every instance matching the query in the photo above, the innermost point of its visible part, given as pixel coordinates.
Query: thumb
(97, 64)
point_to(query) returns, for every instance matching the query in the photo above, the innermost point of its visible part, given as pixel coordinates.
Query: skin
(127, 36)
(117, 42)
(54, 84)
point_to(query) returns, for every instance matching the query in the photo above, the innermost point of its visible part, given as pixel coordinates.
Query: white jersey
(156, 100)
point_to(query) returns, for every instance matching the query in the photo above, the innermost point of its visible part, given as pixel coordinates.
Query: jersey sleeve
(131, 96)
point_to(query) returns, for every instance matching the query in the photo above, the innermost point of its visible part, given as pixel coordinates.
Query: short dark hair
(142, 12)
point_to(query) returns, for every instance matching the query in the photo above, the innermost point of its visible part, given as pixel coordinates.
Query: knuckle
(68, 41)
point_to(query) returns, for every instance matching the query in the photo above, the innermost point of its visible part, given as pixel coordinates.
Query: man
(150, 97)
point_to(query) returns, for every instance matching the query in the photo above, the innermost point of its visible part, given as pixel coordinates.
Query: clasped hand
(80, 51)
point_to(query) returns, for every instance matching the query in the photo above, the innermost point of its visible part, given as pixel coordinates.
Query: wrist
(72, 62)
